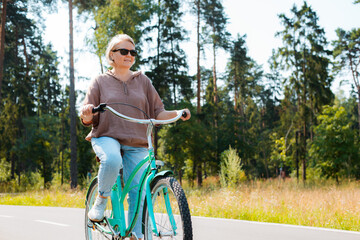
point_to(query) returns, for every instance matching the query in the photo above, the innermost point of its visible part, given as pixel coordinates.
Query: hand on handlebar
(86, 112)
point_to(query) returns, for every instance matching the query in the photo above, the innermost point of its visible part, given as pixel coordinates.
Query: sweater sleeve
(155, 103)
(93, 97)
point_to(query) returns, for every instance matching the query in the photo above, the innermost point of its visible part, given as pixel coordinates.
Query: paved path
(47, 223)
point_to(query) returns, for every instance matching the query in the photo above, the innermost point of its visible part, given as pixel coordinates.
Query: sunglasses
(125, 52)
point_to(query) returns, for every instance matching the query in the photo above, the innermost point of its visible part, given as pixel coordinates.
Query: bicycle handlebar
(102, 107)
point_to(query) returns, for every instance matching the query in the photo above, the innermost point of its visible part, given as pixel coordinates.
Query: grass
(327, 205)
(49, 198)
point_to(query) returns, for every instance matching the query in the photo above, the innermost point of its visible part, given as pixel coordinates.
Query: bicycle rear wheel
(91, 231)
(179, 208)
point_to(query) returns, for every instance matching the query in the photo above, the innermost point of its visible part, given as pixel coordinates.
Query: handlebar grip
(99, 108)
(184, 114)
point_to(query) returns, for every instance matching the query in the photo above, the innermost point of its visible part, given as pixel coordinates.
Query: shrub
(230, 169)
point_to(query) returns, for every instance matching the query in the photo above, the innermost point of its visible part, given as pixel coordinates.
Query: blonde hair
(115, 40)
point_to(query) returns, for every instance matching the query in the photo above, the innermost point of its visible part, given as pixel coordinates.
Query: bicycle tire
(179, 206)
(91, 233)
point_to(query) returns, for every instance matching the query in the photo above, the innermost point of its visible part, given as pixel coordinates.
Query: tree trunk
(156, 130)
(215, 101)
(358, 90)
(13, 162)
(235, 93)
(62, 148)
(199, 174)
(73, 148)
(198, 76)
(198, 59)
(297, 155)
(214, 75)
(156, 141)
(2, 42)
(266, 164)
(304, 138)
(101, 64)
(26, 58)
(173, 73)
(304, 115)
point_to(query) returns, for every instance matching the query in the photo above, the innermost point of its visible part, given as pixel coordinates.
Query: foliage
(333, 149)
(305, 57)
(272, 119)
(347, 49)
(115, 17)
(169, 66)
(216, 20)
(279, 156)
(231, 173)
(34, 108)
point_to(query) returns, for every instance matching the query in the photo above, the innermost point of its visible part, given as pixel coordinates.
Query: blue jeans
(108, 150)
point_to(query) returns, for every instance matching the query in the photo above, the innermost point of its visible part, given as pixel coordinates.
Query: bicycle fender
(161, 174)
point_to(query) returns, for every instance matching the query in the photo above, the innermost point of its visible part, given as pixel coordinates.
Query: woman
(110, 135)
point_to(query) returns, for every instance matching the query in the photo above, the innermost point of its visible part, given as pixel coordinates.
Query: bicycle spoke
(177, 206)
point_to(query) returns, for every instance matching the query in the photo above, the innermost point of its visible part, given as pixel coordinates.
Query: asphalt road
(47, 223)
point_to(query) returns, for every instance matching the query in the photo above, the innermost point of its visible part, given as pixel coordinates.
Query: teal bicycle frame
(118, 194)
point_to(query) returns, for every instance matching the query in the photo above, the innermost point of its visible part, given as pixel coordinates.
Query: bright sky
(257, 19)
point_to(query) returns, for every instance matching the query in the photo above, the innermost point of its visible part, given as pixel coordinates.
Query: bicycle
(166, 212)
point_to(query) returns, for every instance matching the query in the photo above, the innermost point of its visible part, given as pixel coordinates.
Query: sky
(258, 19)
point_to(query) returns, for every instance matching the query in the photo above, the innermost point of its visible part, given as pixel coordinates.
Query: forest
(247, 123)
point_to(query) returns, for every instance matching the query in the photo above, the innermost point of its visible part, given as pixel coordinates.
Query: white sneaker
(96, 213)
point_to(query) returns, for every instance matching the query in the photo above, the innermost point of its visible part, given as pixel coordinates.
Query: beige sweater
(137, 91)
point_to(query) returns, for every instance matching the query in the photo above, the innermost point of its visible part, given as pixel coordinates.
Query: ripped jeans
(108, 150)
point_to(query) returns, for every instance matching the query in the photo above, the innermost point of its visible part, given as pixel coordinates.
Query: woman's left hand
(188, 115)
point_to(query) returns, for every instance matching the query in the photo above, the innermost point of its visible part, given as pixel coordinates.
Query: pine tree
(169, 66)
(213, 12)
(347, 50)
(30, 86)
(305, 57)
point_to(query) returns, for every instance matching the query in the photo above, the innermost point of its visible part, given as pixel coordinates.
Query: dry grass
(55, 198)
(330, 206)
(326, 205)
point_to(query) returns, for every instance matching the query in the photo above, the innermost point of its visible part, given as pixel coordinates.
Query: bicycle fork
(168, 210)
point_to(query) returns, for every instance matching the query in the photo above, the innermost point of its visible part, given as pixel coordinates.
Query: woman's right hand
(86, 112)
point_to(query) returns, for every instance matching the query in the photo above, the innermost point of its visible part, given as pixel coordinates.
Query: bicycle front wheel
(92, 232)
(168, 189)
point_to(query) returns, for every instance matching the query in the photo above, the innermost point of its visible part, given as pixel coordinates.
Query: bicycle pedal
(90, 224)
(93, 223)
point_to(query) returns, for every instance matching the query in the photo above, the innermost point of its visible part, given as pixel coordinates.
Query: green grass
(327, 205)
(50, 198)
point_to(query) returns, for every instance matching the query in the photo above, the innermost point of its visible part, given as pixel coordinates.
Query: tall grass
(50, 198)
(326, 205)
(330, 205)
